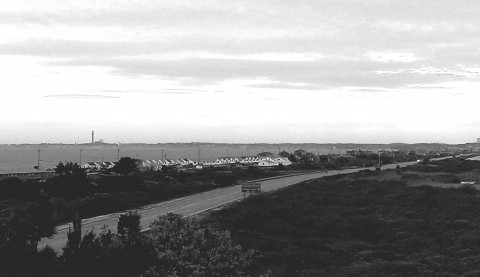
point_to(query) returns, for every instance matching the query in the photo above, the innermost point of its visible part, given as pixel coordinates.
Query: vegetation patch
(358, 225)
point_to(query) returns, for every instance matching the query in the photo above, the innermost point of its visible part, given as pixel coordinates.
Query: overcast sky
(240, 71)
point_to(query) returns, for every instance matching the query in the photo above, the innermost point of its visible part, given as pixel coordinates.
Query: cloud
(458, 72)
(153, 92)
(424, 87)
(316, 43)
(389, 57)
(324, 73)
(81, 96)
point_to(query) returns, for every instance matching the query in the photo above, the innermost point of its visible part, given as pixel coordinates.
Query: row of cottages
(251, 160)
(158, 164)
(221, 161)
(267, 162)
(98, 165)
(260, 161)
(227, 160)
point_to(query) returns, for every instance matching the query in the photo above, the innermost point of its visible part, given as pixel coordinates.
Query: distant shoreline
(214, 144)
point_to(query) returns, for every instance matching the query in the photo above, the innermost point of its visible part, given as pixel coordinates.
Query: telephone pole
(118, 151)
(198, 150)
(80, 157)
(38, 158)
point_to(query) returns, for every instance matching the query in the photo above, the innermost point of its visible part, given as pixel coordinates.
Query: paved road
(191, 205)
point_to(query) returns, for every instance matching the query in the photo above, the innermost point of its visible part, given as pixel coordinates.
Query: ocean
(20, 158)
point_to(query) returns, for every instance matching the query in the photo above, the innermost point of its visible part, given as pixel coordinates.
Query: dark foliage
(126, 165)
(175, 246)
(182, 247)
(127, 253)
(128, 228)
(110, 184)
(67, 186)
(359, 227)
(448, 166)
(14, 188)
(21, 228)
(224, 179)
(69, 168)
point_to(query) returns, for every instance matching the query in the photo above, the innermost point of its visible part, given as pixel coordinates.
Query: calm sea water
(24, 158)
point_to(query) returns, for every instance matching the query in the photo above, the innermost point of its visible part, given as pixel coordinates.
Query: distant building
(249, 160)
(91, 165)
(98, 165)
(267, 162)
(282, 161)
(28, 175)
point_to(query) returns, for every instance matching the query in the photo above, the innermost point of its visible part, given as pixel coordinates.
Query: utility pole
(38, 158)
(163, 155)
(80, 157)
(378, 166)
(198, 150)
(227, 153)
(118, 151)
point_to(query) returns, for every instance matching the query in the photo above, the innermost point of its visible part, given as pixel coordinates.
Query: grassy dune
(365, 224)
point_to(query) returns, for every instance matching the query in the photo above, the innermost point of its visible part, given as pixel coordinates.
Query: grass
(363, 224)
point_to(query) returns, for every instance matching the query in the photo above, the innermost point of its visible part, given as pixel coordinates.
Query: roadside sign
(251, 187)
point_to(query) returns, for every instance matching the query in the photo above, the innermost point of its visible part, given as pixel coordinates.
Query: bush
(224, 179)
(348, 226)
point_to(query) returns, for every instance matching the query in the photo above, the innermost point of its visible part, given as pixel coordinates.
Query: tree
(183, 248)
(82, 256)
(293, 158)
(123, 254)
(69, 168)
(126, 165)
(20, 231)
(128, 228)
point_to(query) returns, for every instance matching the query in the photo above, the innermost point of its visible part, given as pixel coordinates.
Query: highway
(191, 205)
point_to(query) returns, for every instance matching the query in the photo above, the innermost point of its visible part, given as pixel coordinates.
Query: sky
(275, 71)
